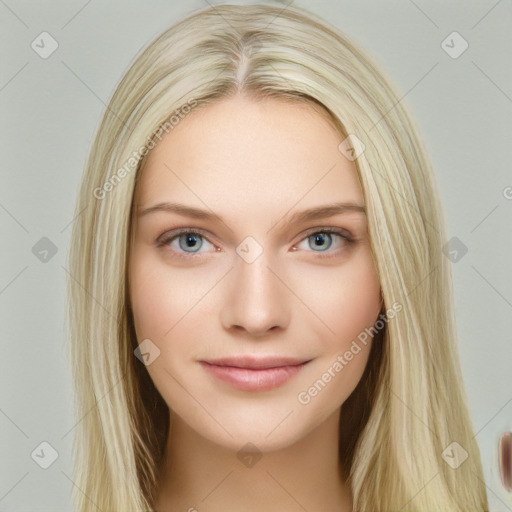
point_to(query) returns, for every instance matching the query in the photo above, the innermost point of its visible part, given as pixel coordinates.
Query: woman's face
(247, 277)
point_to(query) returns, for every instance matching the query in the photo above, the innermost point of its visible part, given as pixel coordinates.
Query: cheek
(161, 298)
(348, 302)
(346, 299)
(147, 297)
(163, 304)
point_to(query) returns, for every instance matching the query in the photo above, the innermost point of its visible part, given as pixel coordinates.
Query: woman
(261, 313)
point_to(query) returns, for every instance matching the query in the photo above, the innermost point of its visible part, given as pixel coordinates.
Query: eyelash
(166, 238)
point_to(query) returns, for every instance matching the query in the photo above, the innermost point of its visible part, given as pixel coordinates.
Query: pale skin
(255, 164)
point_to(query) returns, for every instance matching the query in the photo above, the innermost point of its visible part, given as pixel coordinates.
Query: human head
(266, 51)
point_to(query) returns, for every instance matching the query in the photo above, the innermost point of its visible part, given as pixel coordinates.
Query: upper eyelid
(173, 233)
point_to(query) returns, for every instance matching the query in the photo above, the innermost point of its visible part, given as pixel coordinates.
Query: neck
(198, 474)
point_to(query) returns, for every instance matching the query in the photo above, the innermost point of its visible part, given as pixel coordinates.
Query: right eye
(185, 242)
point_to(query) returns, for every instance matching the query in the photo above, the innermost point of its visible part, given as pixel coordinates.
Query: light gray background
(50, 109)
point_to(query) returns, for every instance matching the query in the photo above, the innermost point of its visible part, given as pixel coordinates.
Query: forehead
(245, 154)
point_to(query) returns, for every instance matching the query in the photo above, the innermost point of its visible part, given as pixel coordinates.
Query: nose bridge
(257, 299)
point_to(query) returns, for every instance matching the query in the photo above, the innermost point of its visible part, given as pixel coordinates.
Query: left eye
(321, 241)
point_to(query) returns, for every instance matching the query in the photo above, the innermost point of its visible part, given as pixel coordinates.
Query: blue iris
(320, 238)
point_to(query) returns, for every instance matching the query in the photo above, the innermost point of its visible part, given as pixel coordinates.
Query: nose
(256, 300)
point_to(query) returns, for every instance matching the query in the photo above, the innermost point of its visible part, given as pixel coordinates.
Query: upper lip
(254, 362)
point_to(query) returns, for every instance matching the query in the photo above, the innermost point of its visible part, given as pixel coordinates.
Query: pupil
(321, 240)
(191, 240)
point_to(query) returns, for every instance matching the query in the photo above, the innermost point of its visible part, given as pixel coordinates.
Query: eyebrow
(328, 210)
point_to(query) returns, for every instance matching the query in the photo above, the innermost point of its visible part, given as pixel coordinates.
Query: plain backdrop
(50, 108)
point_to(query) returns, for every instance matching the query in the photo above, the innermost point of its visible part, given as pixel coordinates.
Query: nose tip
(255, 300)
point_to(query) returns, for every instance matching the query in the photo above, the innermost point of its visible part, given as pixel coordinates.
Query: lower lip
(253, 380)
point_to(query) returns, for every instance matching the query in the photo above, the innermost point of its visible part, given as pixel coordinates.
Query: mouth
(254, 373)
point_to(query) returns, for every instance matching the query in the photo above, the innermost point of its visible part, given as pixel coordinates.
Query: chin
(268, 429)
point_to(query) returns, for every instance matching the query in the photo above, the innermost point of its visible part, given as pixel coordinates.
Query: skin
(255, 163)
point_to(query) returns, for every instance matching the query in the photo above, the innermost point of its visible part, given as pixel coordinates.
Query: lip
(254, 373)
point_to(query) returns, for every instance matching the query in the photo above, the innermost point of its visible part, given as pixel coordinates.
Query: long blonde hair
(399, 424)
